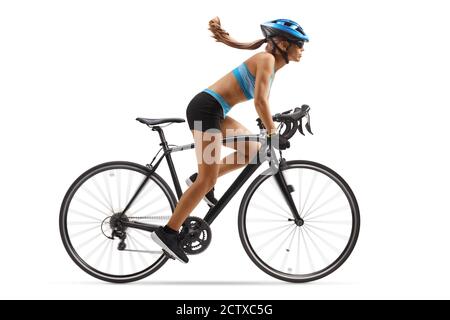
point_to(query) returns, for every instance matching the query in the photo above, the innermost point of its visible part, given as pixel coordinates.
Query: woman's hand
(279, 141)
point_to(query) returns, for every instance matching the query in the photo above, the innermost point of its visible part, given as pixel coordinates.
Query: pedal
(290, 188)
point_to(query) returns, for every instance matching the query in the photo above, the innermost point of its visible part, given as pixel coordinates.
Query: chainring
(195, 236)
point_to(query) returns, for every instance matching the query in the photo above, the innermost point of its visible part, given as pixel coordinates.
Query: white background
(75, 74)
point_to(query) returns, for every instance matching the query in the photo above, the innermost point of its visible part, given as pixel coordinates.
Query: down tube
(232, 190)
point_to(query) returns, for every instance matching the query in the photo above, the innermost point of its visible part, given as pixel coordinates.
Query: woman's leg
(245, 151)
(207, 150)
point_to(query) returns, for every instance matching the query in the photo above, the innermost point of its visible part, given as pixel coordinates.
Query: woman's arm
(264, 68)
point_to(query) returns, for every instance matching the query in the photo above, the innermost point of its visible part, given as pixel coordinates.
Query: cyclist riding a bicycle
(208, 120)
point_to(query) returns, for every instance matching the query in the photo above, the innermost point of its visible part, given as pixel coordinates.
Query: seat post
(162, 137)
(168, 156)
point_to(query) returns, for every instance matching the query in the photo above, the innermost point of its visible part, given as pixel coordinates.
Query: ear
(283, 44)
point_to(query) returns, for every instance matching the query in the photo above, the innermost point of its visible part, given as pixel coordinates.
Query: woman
(208, 121)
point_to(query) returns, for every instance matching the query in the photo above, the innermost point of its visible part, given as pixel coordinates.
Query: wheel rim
(87, 213)
(301, 253)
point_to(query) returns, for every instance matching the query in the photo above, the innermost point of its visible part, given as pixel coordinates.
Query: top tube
(230, 139)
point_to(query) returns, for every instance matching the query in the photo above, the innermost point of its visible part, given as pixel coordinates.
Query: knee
(207, 181)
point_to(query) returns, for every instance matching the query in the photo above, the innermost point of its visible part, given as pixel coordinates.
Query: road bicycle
(298, 220)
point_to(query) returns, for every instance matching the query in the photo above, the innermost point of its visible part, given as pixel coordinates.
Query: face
(295, 52)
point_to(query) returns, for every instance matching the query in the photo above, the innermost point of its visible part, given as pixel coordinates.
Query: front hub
(299, 222)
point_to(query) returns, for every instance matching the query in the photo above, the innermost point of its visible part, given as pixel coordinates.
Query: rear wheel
(293, 251)
(91, 228)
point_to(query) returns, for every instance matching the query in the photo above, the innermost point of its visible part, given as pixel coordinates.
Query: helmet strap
(284, 54)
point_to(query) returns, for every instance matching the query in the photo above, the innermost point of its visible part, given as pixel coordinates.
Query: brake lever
(308, 123)
(300, 126)
(292, 129)
(287, 129)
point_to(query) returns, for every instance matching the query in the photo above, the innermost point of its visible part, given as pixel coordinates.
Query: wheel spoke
(277, 249)
(310, 259)
(309, 191)
(133, 263)
(121, 267)
(267, 197)
(309, 232)
(119, 202)
(96, 184)
(261, 232)
(266, 220)
(84, 231)
(91, 206)
(335, 234)
(108, 191)
(322, 191)
(130, 181)
(288, 250)
(83, 244)
(297, 267)
(311, 229)
(340, 209)
(274, 237)
(336, 195)
(105, 250)
(151, 202)
(140, 254)
(89, 255)
(84, 215)
(317, 249)
(82, 223)
(259, 207)
(109, 263)
(340, 222)
(93, 196)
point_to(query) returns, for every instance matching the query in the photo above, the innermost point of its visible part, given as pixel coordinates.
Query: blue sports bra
(247, 81)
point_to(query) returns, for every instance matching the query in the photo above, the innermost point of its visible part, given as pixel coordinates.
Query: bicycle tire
(76, 185)
(352, 239)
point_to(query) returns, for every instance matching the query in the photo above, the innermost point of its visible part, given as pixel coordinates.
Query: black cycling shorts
(206, 111)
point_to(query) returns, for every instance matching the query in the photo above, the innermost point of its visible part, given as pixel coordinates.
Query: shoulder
(263, 61)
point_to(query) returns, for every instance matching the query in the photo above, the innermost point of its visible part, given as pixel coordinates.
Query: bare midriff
(229, 89)
(228, 86)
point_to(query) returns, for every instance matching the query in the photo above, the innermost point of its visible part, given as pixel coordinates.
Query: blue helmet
(285, 28)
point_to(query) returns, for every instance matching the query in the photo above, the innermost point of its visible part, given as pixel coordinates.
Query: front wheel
(299, 252)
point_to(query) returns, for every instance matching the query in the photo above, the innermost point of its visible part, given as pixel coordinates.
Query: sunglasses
(299, 44)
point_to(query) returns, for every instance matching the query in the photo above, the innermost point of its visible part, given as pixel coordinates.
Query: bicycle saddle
(152, 122)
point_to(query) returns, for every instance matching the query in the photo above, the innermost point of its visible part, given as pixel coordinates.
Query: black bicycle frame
(214, 211)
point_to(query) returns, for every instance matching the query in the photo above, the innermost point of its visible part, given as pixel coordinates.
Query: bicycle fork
(286, 190)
